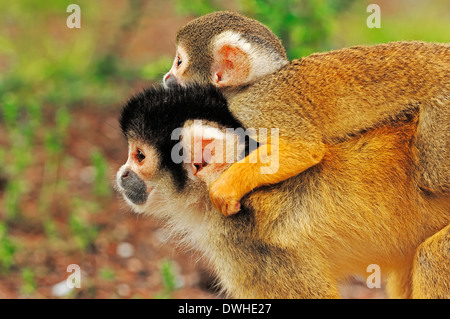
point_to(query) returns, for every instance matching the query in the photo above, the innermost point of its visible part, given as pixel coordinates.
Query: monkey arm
(269, 164)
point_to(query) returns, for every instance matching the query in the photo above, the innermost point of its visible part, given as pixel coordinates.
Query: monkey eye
(179, 61)
(139, 156)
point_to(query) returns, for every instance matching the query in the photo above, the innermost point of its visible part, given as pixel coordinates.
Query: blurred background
(61, 92)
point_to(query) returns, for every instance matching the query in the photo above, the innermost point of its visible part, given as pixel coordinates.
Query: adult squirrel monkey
(315, 101)
(298, 238)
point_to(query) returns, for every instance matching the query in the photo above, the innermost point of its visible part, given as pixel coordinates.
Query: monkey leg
(433, 146)
(431, 268)
(269, 164)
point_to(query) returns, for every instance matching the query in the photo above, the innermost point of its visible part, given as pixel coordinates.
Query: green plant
(167, 279)
(50, 228)
(14, 191)
(29, 284)
(107, 274)
(101, 182)
(7, 249)
(83, 232)
(20, 136)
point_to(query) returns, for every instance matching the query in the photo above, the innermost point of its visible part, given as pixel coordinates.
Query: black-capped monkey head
(224, 49)
(176, 147)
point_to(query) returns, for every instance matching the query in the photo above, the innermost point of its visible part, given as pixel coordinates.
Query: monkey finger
(225, 206)
(232, 207)
(224, 197)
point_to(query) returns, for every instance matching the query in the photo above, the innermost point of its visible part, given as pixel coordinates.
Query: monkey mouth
(137, 198)
(141, 197)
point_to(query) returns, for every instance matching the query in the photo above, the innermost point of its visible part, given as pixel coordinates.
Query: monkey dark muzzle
(170, 80)
(134, 187)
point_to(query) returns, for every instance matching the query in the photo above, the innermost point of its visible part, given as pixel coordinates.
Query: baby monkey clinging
(317, 101)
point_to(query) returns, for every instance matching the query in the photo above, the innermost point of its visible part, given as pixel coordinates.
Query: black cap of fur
(153, 114)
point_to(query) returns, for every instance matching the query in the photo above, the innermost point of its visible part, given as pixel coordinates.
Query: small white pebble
(125, 250)
(123, 290)
(61, 289)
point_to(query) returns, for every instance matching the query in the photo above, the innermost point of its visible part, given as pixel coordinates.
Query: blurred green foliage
(47, 70)
(307, 26)
(168, 280)
(107, 274)
(401, 20)
(29, 284)
(7, 250)
(99, 163)
(303, 26)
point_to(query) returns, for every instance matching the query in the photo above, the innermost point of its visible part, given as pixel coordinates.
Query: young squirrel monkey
(296, 239)
(315, 101)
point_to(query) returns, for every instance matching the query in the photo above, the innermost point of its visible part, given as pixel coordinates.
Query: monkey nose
(169, 80)
(166, 79)
(125, 174)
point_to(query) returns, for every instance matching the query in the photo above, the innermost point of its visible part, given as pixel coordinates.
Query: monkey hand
(224, 197)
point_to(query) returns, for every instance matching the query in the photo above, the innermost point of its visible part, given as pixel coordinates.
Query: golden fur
(301, 237)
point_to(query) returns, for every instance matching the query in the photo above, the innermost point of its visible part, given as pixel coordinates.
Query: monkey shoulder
(343, 91)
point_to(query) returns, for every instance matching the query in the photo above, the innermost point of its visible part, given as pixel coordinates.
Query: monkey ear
(209, 150)
(231, 66)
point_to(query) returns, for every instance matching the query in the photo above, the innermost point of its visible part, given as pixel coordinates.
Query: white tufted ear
(237, 61)
(209, 150)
